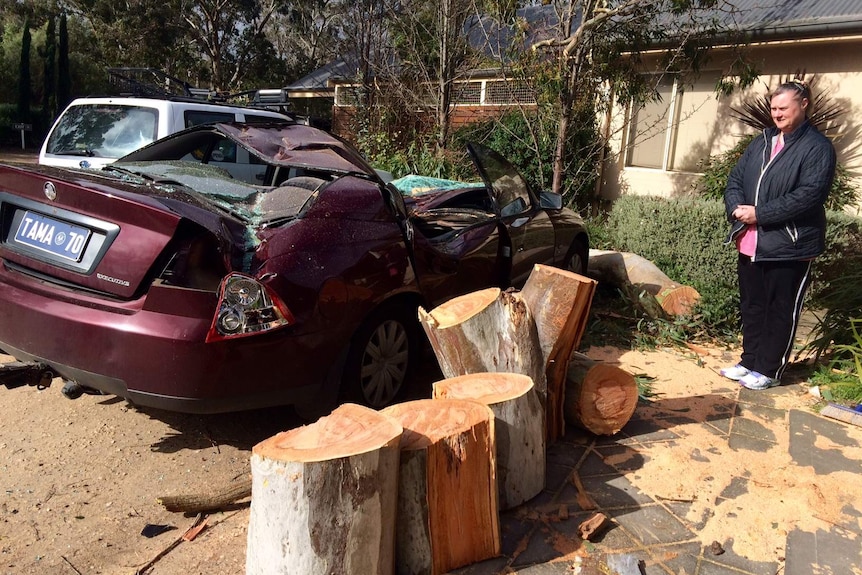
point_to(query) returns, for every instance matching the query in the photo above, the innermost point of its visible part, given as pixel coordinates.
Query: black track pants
(771, 295)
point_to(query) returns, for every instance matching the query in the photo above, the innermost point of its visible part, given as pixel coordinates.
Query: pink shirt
(746, 242)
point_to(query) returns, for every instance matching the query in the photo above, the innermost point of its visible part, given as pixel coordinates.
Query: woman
(774, 201)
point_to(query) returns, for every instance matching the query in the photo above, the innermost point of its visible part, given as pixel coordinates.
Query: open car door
(529, 230)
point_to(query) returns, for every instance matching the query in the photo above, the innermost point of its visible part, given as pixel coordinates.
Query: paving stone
(545, 544)
(834, 551)
(737, 487)
(653, 525)
(681, 511)
(745, 442)
(555, 476)
(514, 529)
(614, 491)
(594, 464)
(648, 430)
(678, 558)
(621, 457)
(614, 538)
(730, 559)
(565, 454)
(805, 428)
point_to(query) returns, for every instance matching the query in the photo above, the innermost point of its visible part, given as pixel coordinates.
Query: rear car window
(198, 117)
(103, 130)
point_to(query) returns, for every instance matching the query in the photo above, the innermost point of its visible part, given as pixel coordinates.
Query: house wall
(661, 155)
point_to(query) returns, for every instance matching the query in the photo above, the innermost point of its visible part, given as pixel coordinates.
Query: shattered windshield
(215, 186)
(103, 130)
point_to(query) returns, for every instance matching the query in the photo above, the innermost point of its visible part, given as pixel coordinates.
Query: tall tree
(24, 75)
(64, 78)
(601, 42)
(49, 55)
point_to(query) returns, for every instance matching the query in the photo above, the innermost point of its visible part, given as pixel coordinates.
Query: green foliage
(841, 379)
(834, 294)
(528, 140)
(716, 170)
(384, 153)
(685, 239)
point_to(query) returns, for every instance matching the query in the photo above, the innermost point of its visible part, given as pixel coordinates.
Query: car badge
(84, 164)
(50, 191)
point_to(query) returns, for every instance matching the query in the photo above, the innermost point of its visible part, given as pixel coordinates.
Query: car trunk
(87, 231)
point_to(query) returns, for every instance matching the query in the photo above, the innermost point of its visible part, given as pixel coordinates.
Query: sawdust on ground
(781, 495)
(79, 480)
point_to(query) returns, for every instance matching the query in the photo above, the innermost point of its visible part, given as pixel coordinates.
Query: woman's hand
(745, 214)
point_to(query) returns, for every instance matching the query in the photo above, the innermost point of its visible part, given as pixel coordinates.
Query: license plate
(56, 237)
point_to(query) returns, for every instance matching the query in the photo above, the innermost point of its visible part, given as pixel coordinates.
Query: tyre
(576, 260)
(382, 357)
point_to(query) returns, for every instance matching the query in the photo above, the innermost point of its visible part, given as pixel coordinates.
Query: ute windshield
(103, 130)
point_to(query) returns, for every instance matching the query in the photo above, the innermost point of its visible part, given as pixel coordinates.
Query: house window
(676, 132)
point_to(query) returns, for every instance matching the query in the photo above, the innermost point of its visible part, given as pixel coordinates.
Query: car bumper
(158, 359)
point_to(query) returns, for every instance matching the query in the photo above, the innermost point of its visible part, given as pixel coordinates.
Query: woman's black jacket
(788, 193)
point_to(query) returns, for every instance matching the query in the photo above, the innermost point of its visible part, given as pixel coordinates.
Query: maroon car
(235, 266)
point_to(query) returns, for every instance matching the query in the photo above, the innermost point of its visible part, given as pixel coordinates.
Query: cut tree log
(324, 496)
(559, 302)
(633, 273)
(448, 512)
(519, 429)
(486, 331)
(600, 398)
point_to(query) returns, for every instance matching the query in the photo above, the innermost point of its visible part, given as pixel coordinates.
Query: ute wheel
(576, 260)
(382, 356)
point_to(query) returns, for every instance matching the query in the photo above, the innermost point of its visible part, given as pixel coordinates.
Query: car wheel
(382, 357)
(576, 261)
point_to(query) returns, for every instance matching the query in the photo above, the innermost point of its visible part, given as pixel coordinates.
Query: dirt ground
(80, 479)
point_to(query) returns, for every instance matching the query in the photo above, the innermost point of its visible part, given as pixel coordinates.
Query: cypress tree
(24, 75)
(64, 78)
(49, 100)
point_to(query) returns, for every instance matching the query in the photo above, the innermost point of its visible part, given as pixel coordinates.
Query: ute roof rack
(153, 83)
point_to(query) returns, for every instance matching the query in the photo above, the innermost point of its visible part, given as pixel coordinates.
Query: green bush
(685, 239)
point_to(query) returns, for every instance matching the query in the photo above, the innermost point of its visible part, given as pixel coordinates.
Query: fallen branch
(208, 503)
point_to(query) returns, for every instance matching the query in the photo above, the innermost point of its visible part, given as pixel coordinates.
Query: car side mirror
(550, 201)
(513, 208)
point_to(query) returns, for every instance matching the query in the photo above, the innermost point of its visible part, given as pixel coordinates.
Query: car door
(528, 229)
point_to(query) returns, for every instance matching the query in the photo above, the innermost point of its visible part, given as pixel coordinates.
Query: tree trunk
(559, 301)
(324, 496)
(601, 398)
(626, 269)
(519, 429)
(448, 513)
(486, 331)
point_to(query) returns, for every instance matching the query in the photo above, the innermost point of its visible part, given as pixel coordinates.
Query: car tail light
(246, 307)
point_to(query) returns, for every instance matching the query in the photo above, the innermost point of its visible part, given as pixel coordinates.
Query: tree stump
(600, 398)
(518, 429)
(629, 270)
(559, 302)
(486, 331)
(448, 513)
(324, 496)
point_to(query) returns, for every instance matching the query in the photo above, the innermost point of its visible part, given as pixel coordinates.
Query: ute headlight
(246, 307)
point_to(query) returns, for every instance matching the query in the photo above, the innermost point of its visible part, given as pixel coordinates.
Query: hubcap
(384, 364)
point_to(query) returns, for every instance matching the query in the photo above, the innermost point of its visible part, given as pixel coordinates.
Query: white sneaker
(758, 381)
(735, 372)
